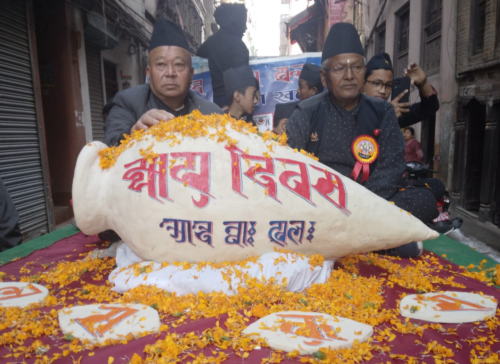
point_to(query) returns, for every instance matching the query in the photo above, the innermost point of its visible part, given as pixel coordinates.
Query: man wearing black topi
(355, 134)
(168, 93)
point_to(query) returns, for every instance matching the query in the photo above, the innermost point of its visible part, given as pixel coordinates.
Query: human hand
(416, 74)
(150, 118)
(400, 107)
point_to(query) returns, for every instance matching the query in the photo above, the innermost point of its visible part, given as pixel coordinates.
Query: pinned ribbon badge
(365, 149)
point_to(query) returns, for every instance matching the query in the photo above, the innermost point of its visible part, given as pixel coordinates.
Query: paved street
(474, 243)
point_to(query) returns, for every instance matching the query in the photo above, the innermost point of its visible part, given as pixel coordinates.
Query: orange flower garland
(194, 125)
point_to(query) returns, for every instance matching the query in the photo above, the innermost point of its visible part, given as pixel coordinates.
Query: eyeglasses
(341, 70)
(378, 85)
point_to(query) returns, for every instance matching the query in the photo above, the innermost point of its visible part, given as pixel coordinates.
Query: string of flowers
(194, 125)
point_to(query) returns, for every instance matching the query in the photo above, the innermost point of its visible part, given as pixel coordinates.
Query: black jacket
(129, 105)
(314, 115)
(10, 234)
(224, 50)
(427, 107)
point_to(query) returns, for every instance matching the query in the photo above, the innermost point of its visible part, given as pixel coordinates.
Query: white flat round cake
(97, 323)
(448, 307)
(307, 332)
(21, 294)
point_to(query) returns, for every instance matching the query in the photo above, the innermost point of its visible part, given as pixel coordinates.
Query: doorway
(475, 126)
(110, 80)
(427, 135)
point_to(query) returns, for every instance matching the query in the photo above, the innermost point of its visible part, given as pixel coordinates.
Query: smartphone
(399, 84)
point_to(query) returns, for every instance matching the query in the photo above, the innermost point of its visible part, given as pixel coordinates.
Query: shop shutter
(94, 71)
(20, 153)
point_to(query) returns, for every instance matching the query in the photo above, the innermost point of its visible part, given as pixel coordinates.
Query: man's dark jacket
(224, 50)
(386, 172)
(129, 105)
(10, 234)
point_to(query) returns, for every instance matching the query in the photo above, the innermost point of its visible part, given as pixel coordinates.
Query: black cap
(167, 33)
(342, 38)
(377, 62)
(310, 73)
(284, 111)
(226, 14)
(239, 78)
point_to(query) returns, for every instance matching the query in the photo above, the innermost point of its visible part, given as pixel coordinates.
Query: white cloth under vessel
(298, 272)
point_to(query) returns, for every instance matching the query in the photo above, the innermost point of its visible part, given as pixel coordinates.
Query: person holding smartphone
(379, 77)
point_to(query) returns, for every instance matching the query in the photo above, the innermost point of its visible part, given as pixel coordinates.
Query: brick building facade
(476, 163)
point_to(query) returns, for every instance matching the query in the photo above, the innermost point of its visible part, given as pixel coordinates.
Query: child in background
(242, 92)
(281, 114)
(309, 81)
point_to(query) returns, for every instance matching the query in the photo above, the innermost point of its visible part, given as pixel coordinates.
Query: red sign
(341, 12)
(154, 175)
(287, 73)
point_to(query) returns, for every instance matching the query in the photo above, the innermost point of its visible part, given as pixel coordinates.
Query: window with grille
(478, 25)
(404, 32)
(498, 46)
(380, 39)
(402, 36)
(431, 38)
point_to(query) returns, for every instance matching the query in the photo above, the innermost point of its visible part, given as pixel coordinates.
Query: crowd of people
(343, 107)
(343, 115)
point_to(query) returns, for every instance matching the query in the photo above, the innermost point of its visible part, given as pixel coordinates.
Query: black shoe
(443, 227)
(457, 223)
(109, 235)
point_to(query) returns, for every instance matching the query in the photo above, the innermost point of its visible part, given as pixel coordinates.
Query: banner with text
(278, 78)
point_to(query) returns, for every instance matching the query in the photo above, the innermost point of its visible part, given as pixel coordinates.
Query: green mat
(457, 252)
(41, 242)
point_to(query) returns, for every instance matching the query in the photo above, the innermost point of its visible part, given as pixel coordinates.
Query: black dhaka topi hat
(168, 33)
(310, 73)
(239, 78)
(284, 111)
(342, 38)
(379, 61)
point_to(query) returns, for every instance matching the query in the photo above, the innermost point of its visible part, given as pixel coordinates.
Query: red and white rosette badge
(365, 149)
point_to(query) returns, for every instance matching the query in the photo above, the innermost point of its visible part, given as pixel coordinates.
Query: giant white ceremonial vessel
(184, 198)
